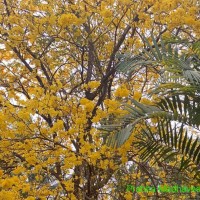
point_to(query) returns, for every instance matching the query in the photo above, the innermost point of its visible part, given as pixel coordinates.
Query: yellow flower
(111, 103)
(7, 183)
(128, 196)
(125, 2)
(146, 101)
(137, 95)
(31, 160)
(89, 105)
(67, 19)
(106, 13)
(162, 174)
(57, 126)
(18, 170)
(30, 198)
(189, 20)
(93, 84)
(26, 188)
(124, 159)
(69, 186)
(7, 195)
(122, 91)
(96, 119)
(84, 101)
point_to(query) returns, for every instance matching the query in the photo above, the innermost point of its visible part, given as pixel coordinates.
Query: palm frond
(196, 47)
(161, 53)
(178, 106)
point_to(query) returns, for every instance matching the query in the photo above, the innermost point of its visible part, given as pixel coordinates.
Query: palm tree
(176, 112)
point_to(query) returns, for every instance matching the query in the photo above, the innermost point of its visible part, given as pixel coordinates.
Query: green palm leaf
(179, 90)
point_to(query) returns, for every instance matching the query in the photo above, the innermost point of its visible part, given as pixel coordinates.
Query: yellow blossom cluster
(92, 85)
(88, 105)
(67, 19)
(137, 95)
(122, 91)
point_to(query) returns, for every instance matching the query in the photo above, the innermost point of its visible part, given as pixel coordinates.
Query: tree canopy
(61, 82)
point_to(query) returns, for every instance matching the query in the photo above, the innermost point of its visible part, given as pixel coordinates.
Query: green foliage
(177, 109)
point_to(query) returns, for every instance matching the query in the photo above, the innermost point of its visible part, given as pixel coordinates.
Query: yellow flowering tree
(59, 83)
